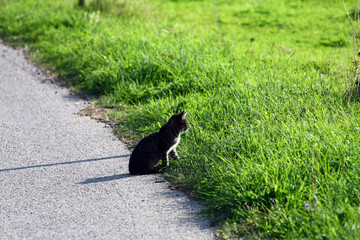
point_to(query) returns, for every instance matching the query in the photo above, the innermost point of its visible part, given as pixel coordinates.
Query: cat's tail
(147, 171)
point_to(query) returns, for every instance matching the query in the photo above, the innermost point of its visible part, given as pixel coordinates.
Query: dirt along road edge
(64, 176)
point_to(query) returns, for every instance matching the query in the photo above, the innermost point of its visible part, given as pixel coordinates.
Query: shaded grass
(271, 130)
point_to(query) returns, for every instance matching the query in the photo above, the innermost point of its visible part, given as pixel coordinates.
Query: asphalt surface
(63, 176)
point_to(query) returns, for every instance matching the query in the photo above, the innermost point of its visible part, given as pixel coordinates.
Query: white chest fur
(177, 140)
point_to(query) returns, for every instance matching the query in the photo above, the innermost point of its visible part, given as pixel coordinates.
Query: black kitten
(158, 146)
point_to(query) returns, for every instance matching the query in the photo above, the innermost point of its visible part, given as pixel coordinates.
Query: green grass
(272, 125)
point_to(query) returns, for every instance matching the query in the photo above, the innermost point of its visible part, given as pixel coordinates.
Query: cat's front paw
(174, 155)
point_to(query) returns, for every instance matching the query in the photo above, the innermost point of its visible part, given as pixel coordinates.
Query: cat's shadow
(106, 178)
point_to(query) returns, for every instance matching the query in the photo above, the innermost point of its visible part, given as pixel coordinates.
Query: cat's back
(145, 149)
(146, 144)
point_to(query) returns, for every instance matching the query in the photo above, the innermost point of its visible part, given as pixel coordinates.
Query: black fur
(157, 146)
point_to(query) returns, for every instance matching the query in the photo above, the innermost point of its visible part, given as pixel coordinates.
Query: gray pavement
(63, 176)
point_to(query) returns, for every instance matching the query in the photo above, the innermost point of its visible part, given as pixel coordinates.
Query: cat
(158, 146)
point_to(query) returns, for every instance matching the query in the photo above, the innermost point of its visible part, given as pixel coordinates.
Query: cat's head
(180, 122)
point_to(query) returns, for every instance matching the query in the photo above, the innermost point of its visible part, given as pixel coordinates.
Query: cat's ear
(183, 114)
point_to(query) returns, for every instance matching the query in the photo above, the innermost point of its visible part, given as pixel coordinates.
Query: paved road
(63, 176)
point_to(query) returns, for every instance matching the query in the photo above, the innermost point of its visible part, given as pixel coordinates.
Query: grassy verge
(273, 149)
